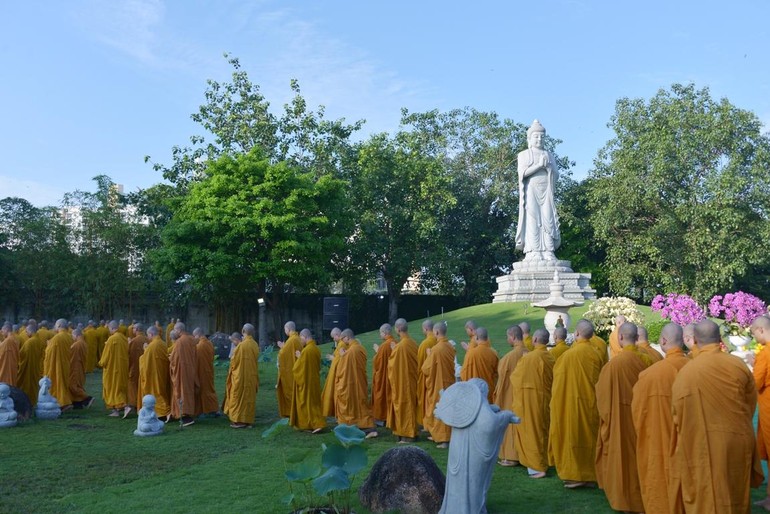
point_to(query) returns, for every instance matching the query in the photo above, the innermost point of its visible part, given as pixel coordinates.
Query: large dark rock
(405, 479)
(21, 403)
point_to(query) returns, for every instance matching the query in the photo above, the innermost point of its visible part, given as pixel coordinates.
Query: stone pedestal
(530, 279)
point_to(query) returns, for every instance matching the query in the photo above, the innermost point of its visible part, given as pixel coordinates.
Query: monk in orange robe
(206, 401)
(439, 371)
(306, 399)
(574, 416)
(481, 362)
(9, 355)
(560, 337)
(57, 364)
(327, 395)
(114, 363)
(380, 382)
(78, 356)
(104, 333)
(615, 348)
(31, 357)
(526, 336)
(643, 345)
(351, 386)
(154, 376)
(688, 332)
(532, 380)
(402, 375)
(504, 393)
(136, 347)
(470, 330)
(240, 403)
(183, 366)
(715, 459)
(286, 356)
(616, 468)
(92, 343)
(760, 329)
(422, 354)
(169, 329)
(601, 347)
(651, 411)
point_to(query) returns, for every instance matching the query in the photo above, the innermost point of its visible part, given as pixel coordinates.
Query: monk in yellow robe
(31, 357)
(286, 357)
(154, 376)
(57, 364)
(104, 333)
(504, 393)
(123, 329)
(651, 411)
(132, 331)
(560, 337)
(574, 416)
(402, 375)
(327, 395)
(532, 380)
(351, 385)
(183, 366)
(601, 347)
(526, 336)
(760, 329)
(643, 345)
(616, 469)
(422, 354)
(439, 371)
(136, 347)
(481, 362)
(114, 363)
(715, 459)
(240, 403)
(380, 382)
(92, 343)
(615, 348)
(9, 355)
(206, 401)
(78, 355)
(306, 399)
(169, 328)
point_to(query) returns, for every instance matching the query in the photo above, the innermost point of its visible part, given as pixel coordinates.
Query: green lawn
(88, 462)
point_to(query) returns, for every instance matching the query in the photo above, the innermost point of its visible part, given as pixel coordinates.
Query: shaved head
(336, 333)
(180, 327)
(628, 334)
(385, 329)
(525, 328)
(584, 329)
(642, 334)
(306, 334)
(152, 331)
(198, 332)
(248, 329)
(707, 332)
(560, 334)
(760, 329)
(470, 324)
(541, 336)
(427, 325)
(401, 325)
(671, 337)
(482, 334)
(348, 333)
(439, 328)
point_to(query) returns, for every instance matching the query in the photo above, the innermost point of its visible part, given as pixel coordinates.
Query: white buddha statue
(7, 413)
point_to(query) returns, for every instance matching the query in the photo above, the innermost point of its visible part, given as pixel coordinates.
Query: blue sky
(90, 87)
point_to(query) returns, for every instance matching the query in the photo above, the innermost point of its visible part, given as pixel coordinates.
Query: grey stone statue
(7, 414)
(537, 234)
(477, 431)
(47, 407)
(148, 423)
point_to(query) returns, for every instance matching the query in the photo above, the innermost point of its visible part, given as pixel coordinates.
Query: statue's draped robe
(206, 401)
(306, 401)
(715, 459)
(380, 382)
(481, 362)
(183, 365)
(538, 227)
(114, 362)
(504, 398)
(351, 388)
(240, 403)
(402, 375)
(57, 367)
(439, 371)
(285, 386)
(154, 376)
(531, 381)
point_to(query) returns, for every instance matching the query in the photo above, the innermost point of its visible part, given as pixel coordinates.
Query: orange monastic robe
(154, 377)
(169, 329)
(31, 356)
(242, 384)
(285, 386)
(504, 393)
(402, 375)
(616, 470)
(123, 329)
(206, 402)
(532, 380)
(654, 354)
(327, 395)
(651, 411)
(306, 400)
(78, 355)
(114, 362)
(574, 416)
(481, 362)
(380, 382)
(9, 359)
(183, 366)
(92, 343)
(601, 346)
(615, 348)
(715, 459)
(57, 367)
(762, 382)
(558, 350)
(103, 333)
(528, 344)
(439, 371)
(422, 354)
(135, 351)
(351, 388)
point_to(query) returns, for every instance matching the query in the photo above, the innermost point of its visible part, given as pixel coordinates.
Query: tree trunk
(394, 295)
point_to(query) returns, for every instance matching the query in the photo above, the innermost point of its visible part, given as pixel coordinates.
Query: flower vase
(740, 343)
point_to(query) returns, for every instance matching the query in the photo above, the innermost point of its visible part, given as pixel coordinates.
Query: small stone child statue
(7, 414)
(148, 423)
(47, 406)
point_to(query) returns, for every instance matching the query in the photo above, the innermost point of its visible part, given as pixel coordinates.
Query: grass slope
(88, 462)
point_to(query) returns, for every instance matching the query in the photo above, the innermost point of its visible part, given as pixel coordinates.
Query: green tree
(679, 197)
(252, 226)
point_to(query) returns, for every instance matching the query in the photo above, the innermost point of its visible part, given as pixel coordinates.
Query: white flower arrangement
(603, 312)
